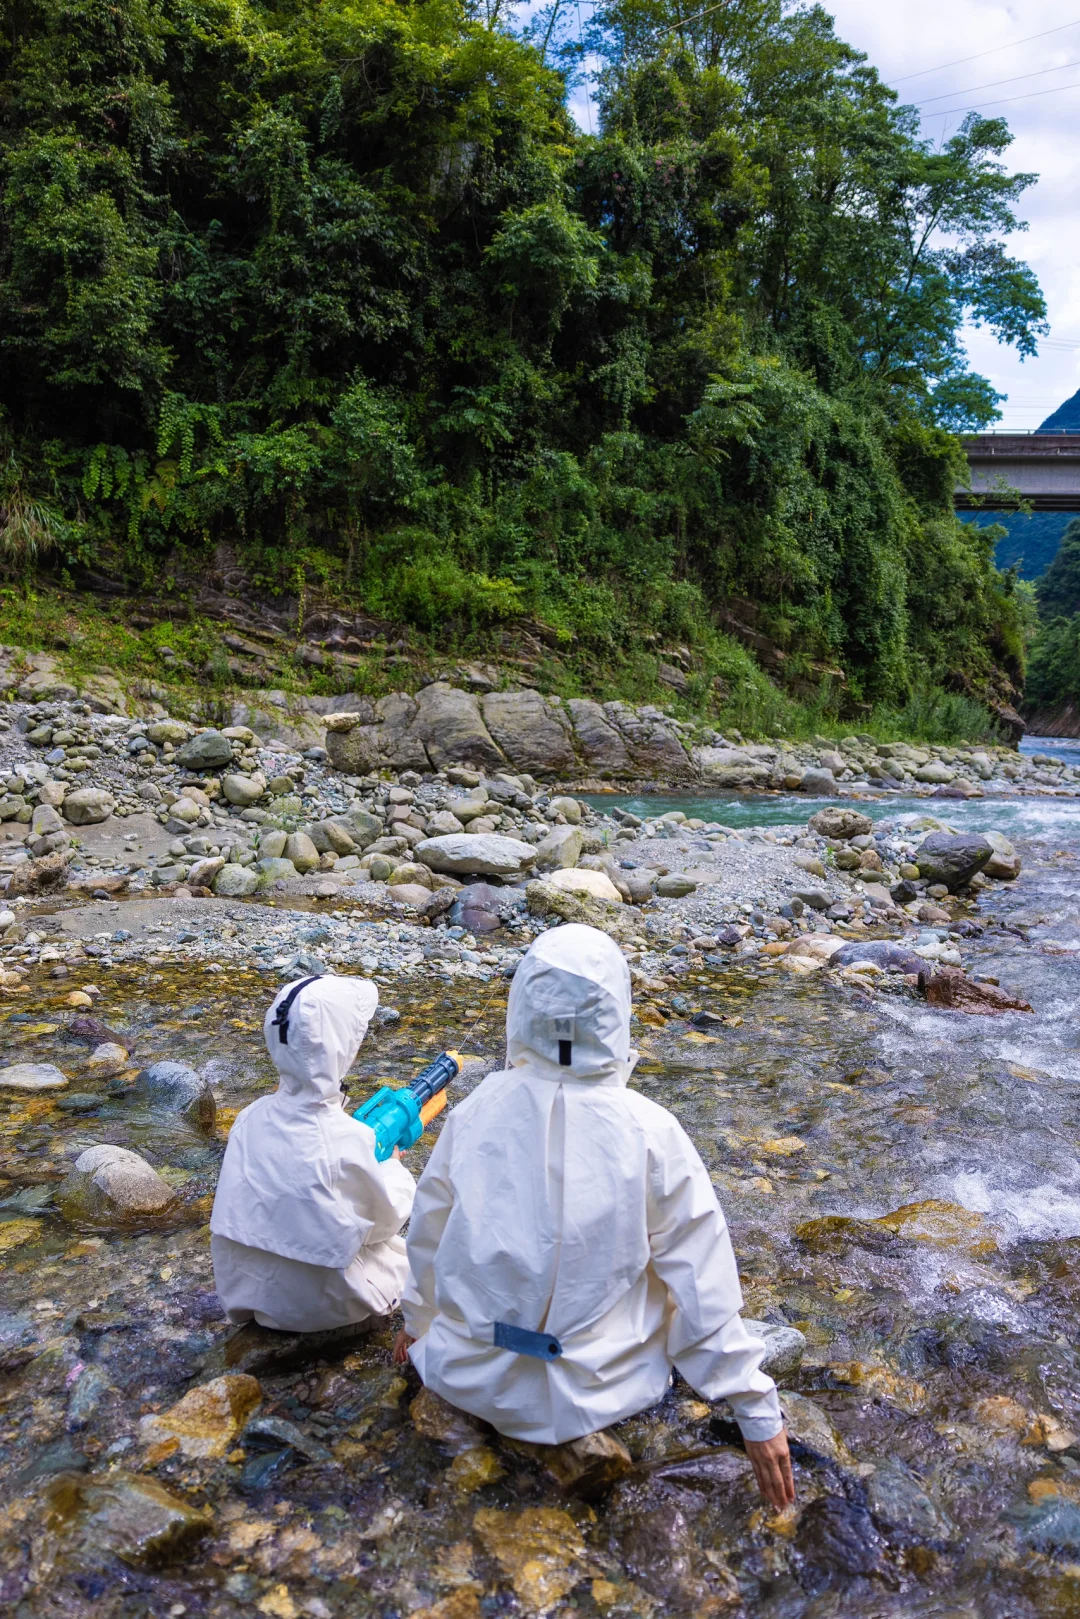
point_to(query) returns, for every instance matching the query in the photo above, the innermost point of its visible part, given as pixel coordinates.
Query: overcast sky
(905, 38)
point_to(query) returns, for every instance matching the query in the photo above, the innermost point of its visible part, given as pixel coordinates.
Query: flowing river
(902, 1183)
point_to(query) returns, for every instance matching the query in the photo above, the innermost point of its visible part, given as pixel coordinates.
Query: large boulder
(840, 824)
(174, 1087)
(45, 820)
(401, 746)
(594, 884)
(274, 870)
(243, 791)
(885, 953)
(729, 767)
(234, 881)
(110, 1183)
(449, 724)
(478, 908)
(483, 854)
(204, 873)
(819, 781)
(952, 858)
(166, 730)
(530, 732)
(209, 750)
(560, 850)
(1004, 862)
(935, 773)
(554, 904)
(604, 749)
(88, 806)
(300, 849)
(654, 746)
(352, 746)
(89, 1519)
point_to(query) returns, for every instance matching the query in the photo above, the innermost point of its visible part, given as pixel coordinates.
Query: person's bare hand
(400, 1352)
(396, 1152)
(771, 1462)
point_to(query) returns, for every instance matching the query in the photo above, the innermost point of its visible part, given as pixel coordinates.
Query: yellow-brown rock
(208, 1419)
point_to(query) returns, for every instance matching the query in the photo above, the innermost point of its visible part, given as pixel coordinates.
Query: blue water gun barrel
(399, 1117)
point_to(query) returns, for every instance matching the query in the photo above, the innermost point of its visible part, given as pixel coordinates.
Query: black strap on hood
(281, 1016)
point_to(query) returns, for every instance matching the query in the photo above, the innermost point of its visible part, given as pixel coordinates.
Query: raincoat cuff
(757, 1429)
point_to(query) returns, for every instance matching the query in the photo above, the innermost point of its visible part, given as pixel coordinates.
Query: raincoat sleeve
(431, 1211)
(692, 1255)
(382, 1194)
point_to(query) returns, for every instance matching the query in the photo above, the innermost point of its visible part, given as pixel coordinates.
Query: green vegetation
(1054, 675)
(342, 287)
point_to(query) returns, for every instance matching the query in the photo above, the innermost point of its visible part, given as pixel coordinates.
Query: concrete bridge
(1043, 467)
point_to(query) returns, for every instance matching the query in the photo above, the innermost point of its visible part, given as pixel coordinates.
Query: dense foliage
(343, 282)
(1055, 653)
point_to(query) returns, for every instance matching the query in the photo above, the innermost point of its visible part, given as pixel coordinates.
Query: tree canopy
(345, 283)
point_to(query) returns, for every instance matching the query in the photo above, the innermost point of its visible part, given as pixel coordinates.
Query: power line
(980, 54)
(1003, 101)
(993, 84)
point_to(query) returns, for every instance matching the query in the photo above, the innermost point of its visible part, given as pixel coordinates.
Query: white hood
(569, 1010)
(300, 1177)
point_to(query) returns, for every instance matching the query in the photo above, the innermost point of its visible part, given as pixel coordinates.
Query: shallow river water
(903, 1185)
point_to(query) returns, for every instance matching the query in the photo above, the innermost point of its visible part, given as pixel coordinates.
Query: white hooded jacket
(305, 1221)
(560, 1201)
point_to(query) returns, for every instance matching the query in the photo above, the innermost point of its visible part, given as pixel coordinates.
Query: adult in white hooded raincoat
(559, 1201)
(305, 1230)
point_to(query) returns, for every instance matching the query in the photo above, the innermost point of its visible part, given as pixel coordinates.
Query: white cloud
(907, 36)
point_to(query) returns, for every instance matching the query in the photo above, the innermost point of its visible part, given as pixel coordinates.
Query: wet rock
(60, 1457)
(107, 1059)
(840, 823)
(300, 849)
(589, 1466)
(897, 1497)
(530, 732)
(808, 1424)
(593, 884)
(474, 1469)
(276, 1433)
(91, 1384)
(88, 805)
(208, 750)
(78, 1102)
(784, 1347)
(32, 1076)
(234, 881)
(17, 1233)
(885, 953)
(436, 1419)
(560, 850)
(952, 858)
(950, 988)
(1004, 862)
(820, 782)
(176, 1088)
(486, 854)
(661, 1555)
(117, 1513)
(837, 1539)
(676, 885)
(834, 1234)
(945, 1224)
(730, 936)
(208, 1419)
(110, 1183)
(541, 1550)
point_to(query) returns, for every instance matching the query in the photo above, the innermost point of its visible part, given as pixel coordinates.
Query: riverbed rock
(110, 1183)
(729, 767)
(44, 820)
(300, 849)
(546, 900)
(784, 1346)
(676, 885)
(243, 791)
(476, 907)
(590, 1466)
(540, 1550)
(88, 806)
(950, 987)
(206, 1422)
(274, 870)
(655, 748)
(174, 1087)
(107, 1059)
(595, 884)
(32, 1076)
(485, 854)
(126, 1515)
(885, 953)
(840, 823)
(936, 773)
(569, 808)
(601, 744)
(208, 750)
(530, 732)
(449, 724)
(40, 876)
(560, 850)
(818, 781)
(234, 881)
(204, 873)
(1004, 862)
(952, 858)
(352, 749)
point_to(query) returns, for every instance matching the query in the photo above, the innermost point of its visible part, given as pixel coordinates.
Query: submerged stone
(117, 1513)
(208, 1419)
(110, 1183)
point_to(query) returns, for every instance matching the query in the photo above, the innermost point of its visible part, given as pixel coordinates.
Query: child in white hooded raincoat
(559, 1201)
(305, 1229)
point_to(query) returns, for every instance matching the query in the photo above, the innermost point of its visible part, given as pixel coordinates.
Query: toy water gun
(399, 1118)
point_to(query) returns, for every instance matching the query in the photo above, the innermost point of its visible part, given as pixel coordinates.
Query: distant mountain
(1066, 419)
(1030, 542)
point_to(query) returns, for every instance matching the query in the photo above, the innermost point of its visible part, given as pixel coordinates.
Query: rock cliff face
(543, 736)
(1063, 719)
